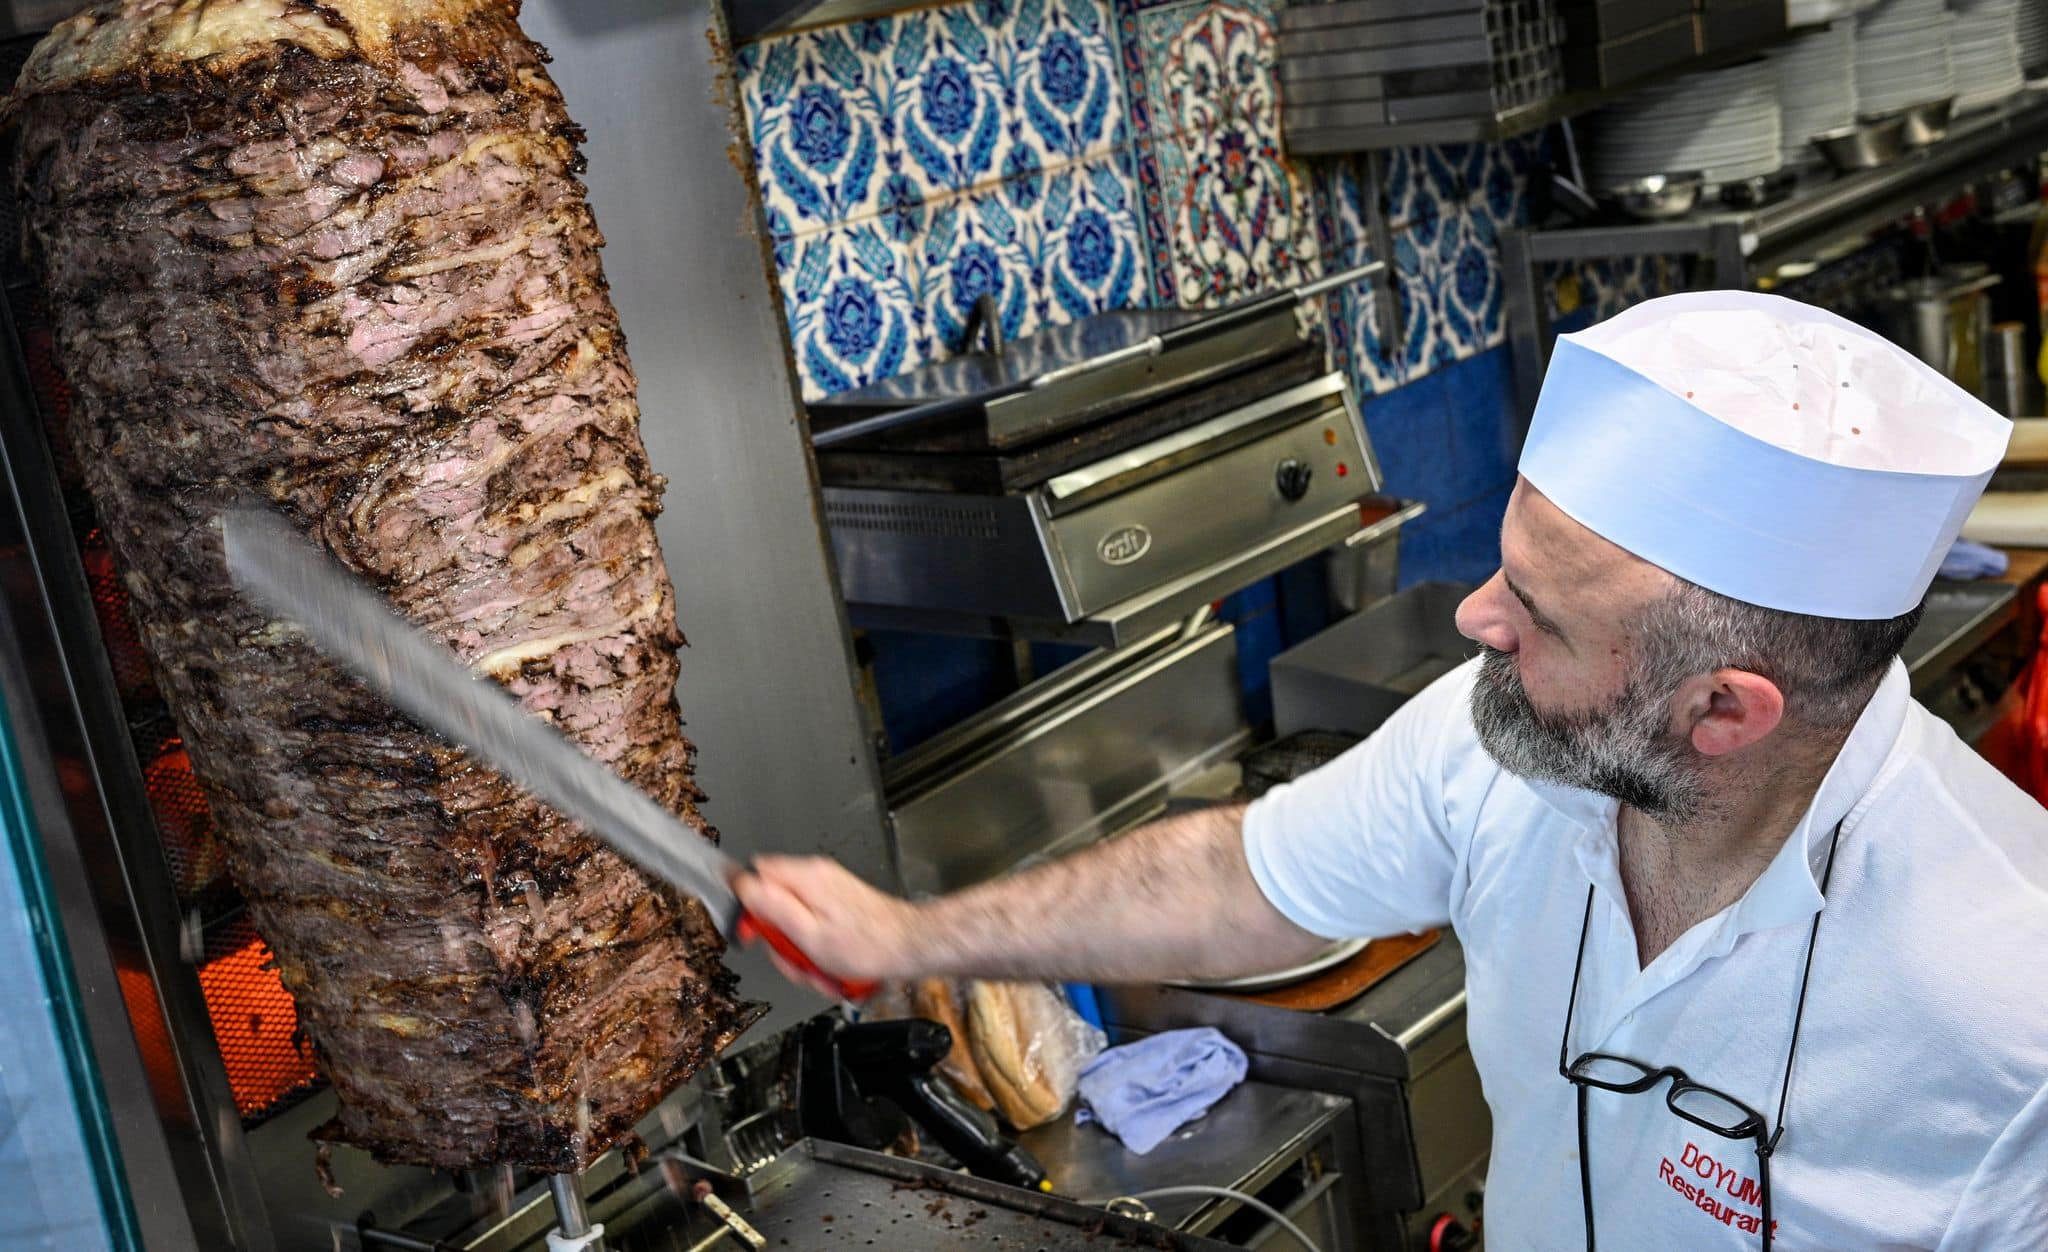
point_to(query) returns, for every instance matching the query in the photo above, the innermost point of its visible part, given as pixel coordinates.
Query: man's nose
(1487, 615)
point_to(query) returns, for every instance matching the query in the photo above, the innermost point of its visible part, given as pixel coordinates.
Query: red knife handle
(851, 989)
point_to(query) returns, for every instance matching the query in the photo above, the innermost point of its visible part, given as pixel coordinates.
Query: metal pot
(1945, 320)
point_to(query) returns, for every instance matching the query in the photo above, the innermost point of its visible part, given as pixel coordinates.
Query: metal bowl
(1864, 147)
(1656, 198)
(1924, 123)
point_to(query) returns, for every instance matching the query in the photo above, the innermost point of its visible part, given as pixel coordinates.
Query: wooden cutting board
(1343, 983)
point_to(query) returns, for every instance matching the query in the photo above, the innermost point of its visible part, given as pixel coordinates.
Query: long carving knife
(287, 574)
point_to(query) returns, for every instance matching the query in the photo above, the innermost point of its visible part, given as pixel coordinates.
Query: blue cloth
(1144, 1091)
(1973, 560)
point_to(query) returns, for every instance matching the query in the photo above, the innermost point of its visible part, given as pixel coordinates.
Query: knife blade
(289, 575)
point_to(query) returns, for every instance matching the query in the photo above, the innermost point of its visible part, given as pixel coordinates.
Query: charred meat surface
(336, 256)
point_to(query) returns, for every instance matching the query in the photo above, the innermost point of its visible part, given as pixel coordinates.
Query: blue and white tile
(846, 121)
(852, 301)
(1342, 218)
(1078, 239)
(876, 297)
(1467, 278)
(1232, 217)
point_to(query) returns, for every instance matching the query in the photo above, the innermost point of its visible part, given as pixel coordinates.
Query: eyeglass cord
(1767, 1146)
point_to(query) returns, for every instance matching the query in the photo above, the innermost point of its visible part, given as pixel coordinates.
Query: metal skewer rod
(570, 1214)
(572, 1220)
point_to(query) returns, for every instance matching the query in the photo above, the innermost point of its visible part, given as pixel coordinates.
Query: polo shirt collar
(1788, 890)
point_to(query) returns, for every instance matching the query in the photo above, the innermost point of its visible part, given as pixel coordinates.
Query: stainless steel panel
(984, 733)
(1367, 568)
(1453, 1129)
(1419, 56)
(768, 684)
(1118, 549)
(1122, 623)
(1074, 771)
(1958, 619)
(924, 549)
(1032, 413)
(1133, 467)
(1249, 1138)
(1354, 675)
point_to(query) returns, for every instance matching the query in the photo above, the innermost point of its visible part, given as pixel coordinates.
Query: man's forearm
(1172, 899)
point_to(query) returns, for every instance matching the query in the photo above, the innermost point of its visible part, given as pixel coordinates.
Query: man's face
(1563, 694)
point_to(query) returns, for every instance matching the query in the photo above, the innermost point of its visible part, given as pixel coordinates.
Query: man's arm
(1174, 899)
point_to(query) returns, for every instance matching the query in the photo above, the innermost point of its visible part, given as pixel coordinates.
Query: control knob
(1292, 478)
(1448, 1234)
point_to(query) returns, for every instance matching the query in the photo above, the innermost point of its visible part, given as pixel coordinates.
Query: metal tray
(822, 1195)
(1334, 955)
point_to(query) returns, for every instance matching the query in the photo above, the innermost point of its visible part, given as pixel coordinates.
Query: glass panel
(46, 1173)
(1713, 1108)
(1609, 1071)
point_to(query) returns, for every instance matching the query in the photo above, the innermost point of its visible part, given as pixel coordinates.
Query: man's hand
(848, 928)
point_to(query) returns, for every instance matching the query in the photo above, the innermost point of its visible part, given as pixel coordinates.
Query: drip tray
(820, 1196)
(831, 1196)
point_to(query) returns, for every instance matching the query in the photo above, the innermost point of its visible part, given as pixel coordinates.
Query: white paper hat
(1764, 449)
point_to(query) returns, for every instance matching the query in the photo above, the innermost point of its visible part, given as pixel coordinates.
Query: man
(1756, 948)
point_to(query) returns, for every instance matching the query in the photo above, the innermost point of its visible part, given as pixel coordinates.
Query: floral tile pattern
(1069, 156)
(1228, 216)
(873, 298)
(873, 116)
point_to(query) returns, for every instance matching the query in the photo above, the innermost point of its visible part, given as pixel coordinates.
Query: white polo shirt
(1918, 1115)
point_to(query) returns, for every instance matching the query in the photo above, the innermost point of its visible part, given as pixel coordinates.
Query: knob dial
(1292, 478)
(1448, 1234)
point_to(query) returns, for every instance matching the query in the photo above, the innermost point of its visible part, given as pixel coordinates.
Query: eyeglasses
(1703, 1106)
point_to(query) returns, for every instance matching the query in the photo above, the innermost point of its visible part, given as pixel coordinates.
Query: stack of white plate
(1816, 88)
(1814, 12)
(1902, 56)
(2033, 35)
(1984, 46)
(1721, 124)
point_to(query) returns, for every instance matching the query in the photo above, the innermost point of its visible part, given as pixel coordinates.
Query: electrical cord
(1226, 1193)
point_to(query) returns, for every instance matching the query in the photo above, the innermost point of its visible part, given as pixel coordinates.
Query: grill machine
(1097, 481)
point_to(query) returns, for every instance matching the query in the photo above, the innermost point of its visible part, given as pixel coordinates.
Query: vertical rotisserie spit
(336, 256)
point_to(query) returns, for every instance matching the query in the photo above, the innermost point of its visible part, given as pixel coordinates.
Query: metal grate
(255, 1023)
(117, 626)
(193, 847)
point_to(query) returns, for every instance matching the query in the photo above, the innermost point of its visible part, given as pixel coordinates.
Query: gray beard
(1624, 749)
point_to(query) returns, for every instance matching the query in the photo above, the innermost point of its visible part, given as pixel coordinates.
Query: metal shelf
(1517, 120)
(1746, 244)
(1487, 128)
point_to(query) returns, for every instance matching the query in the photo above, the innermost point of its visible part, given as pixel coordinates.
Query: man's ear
(1728, 710)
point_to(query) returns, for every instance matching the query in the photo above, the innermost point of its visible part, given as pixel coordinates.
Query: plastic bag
(1029, 1046)
(1018, 1047)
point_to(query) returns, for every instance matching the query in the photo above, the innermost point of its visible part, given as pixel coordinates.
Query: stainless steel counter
(1253, 1139)
(1397, 1054)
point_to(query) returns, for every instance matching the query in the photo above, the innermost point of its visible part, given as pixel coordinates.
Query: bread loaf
(934, 998)
(1004, 1020)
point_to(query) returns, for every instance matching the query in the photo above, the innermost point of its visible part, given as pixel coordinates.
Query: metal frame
(189, 1177)
(1742, 245)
